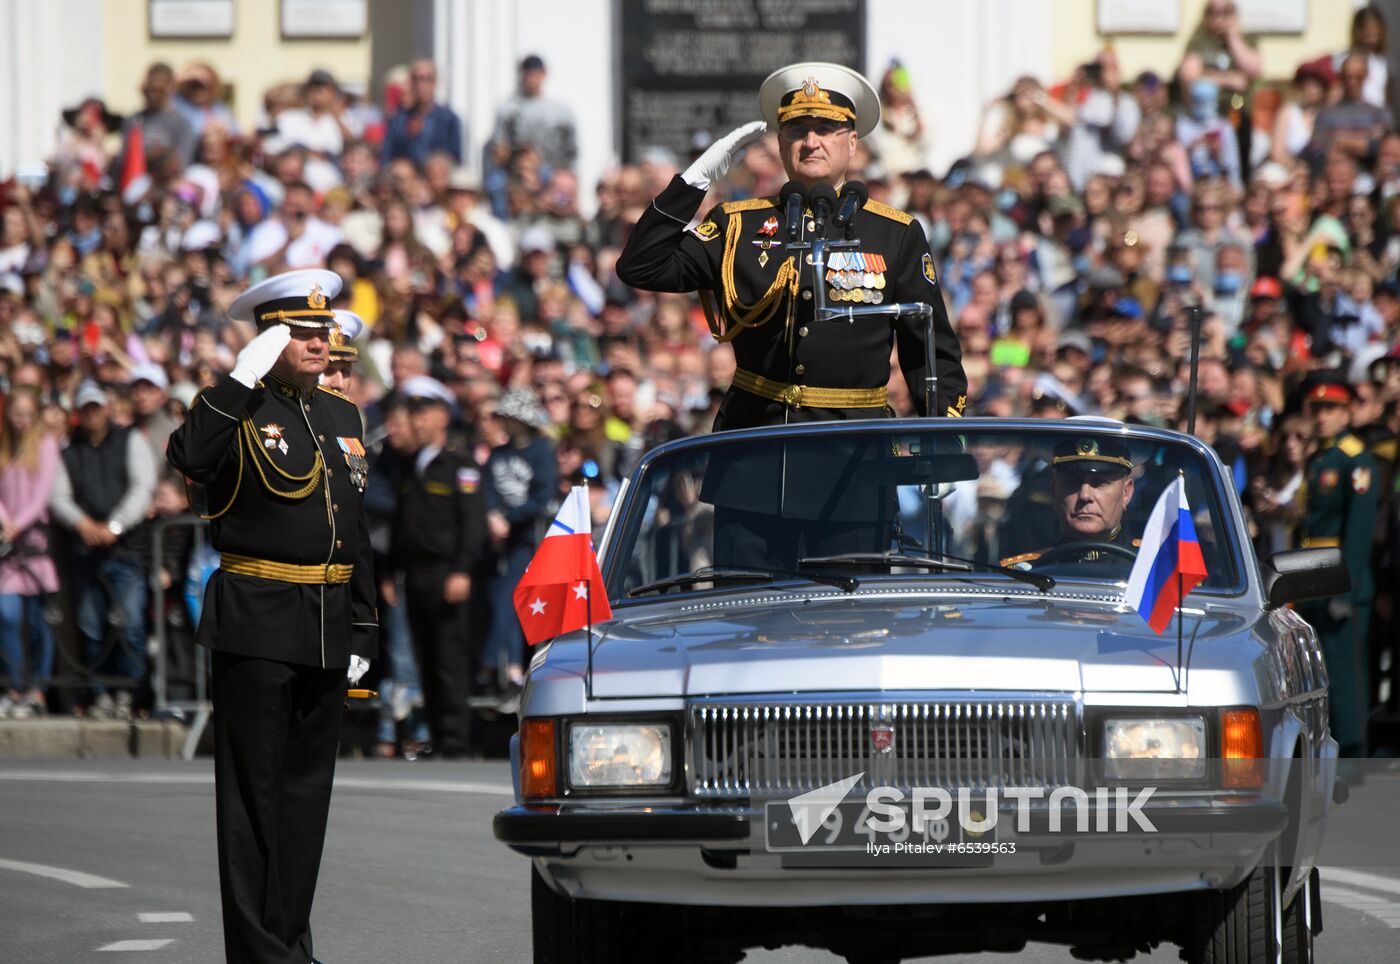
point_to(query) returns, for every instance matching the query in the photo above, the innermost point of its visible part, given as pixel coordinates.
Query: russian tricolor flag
(1170, 549)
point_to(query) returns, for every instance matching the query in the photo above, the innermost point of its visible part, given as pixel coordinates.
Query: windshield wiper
(945, 563)
(718, 574)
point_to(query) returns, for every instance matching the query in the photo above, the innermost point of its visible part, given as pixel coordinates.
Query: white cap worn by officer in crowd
(424, 388)
(348, 327)
(299, 299)
(817, 89)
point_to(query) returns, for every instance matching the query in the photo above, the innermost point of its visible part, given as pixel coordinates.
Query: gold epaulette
(1385, 450)
(885, 211)
(751, 204)
(1351, 446)
(332, 391)
(1023, 557)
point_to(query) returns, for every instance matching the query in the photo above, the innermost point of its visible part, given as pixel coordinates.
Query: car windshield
(1069, 502)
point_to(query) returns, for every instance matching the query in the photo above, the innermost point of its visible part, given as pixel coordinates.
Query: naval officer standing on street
(280, 464)
(761, 298)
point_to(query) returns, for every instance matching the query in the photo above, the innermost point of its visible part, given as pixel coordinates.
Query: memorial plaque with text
(691, 66)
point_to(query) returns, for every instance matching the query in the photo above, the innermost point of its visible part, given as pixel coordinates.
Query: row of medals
(852, 277)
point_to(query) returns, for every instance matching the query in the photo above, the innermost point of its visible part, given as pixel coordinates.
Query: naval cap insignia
(316, 299)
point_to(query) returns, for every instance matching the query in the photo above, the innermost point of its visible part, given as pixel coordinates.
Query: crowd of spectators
(1093, 214)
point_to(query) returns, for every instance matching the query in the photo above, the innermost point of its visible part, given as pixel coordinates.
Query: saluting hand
(719, 156)
(259, 355)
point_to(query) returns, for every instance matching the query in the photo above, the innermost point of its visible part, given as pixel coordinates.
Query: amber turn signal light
(1242, 747)
(538, 756)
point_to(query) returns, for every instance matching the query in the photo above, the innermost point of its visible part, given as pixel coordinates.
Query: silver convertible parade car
(876, 687)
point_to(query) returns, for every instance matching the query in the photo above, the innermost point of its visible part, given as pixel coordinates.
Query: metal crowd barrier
(197, 708)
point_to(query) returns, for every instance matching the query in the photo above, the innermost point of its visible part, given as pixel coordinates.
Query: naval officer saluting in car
(278, 462)
(759, 297)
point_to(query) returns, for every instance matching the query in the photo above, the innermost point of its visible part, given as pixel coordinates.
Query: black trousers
(759, 539)
(276, 732)
(440, 642)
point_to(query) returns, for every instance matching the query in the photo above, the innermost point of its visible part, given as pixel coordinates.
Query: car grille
(741, 749)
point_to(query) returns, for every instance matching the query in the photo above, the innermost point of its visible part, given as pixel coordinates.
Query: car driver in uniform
(1091, 486)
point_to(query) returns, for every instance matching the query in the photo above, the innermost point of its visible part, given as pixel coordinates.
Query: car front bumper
(714, 854)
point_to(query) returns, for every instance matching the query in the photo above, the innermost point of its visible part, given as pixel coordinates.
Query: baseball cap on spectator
(1389, 289)
(1023, 300)
(523, 405)
(1266, 287)
(537, 238)
(1127, 308)
(201, 235)
(1320, 70)
(320, 77)
(1149, 80)
(424, 388)
(1062, 205)
(1105, 276)
(1361, 362)
(531, 62)
(150, 372)
(462, 179)
(1076, 341)
(90, 393)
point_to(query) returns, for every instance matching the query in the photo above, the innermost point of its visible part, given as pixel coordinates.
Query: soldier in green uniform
(760, 297)
(1091, 486)
(1340, 510)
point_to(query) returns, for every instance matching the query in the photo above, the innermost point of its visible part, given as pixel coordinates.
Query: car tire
(1232, 926)
(580, 931)
(568, 931)
(1297, 937)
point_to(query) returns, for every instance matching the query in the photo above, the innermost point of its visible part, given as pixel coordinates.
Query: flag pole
(588, 605)
(1180, 598)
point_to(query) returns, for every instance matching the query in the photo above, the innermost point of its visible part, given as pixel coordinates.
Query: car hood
(865, 642)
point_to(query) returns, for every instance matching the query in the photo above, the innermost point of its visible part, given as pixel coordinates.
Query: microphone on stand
(822, 198)
(853, 198)
(794, 198)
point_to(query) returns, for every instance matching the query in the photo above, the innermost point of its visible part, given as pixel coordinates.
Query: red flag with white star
(563, 579)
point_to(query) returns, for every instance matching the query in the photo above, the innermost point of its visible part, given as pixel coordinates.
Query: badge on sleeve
(706, 230)
(928, 269)
(468, 480)
(1361, 480)
(1327, 479)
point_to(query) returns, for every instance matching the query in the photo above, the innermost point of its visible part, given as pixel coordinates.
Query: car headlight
(619, 755)
(1165, 748)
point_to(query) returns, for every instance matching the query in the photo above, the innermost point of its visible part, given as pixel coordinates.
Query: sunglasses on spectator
(798, 130)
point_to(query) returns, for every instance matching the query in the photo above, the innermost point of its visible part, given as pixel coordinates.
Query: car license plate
(847, 828)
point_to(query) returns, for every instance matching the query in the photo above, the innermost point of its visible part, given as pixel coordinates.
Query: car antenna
(1195, 315)
(1191, 393)
(588, 605)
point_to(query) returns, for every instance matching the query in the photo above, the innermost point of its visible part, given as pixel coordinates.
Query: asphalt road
(115, 861)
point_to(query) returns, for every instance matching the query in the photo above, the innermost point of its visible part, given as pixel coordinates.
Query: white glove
(1339, 608)
(259, 355)
(359, 666)
(712, 165)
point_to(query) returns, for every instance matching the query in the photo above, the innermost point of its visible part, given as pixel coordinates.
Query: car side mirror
(1300, 574)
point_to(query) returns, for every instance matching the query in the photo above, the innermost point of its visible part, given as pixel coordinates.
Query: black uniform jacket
(281, 472)
(761, 296)
(441, 518)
